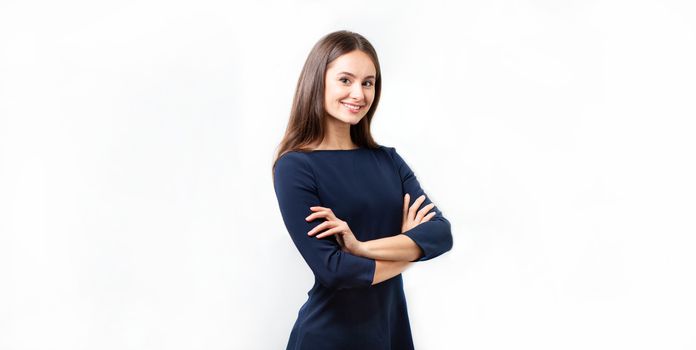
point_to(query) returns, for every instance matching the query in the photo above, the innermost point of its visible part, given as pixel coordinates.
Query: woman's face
(349, 82)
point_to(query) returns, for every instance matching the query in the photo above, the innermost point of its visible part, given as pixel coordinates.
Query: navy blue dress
(364, 187)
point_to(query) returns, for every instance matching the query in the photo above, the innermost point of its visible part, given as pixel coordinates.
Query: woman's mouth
(352, 108)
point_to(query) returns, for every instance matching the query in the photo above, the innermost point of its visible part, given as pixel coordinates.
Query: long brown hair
(305, 125)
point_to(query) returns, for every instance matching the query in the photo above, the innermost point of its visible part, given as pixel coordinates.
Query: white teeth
(355, 108)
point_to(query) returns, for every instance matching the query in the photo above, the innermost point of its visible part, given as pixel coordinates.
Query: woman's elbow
(340, 279)
(450, 243)
(330, 280)
(448, 239)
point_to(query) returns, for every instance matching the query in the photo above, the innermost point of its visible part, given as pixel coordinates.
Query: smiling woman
(349, 90)
(353, 208)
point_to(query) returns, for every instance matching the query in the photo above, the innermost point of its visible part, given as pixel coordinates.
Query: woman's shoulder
(389, 150)
(393, 155)
(386, 148)
(293, 168)
(292, 159)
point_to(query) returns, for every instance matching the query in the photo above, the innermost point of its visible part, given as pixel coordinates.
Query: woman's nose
(357, 93)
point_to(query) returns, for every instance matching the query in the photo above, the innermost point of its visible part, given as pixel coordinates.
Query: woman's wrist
(360, 249)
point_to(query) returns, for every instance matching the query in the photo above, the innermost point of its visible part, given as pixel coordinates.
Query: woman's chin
(353, 120)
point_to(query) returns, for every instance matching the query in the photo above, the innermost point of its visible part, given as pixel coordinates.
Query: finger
(321, 227)
(330, 232)
(424, 210)
(405, 207)
(328, 214)
(429, 216)
(416, 204)
(318, 214)
(318, 209)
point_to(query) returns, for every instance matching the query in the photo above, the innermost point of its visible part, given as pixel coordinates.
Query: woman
(352, 207)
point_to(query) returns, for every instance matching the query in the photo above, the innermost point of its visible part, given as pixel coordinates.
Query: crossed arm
(394, 248)
(393, 255)
(386, 269)
(384, 258)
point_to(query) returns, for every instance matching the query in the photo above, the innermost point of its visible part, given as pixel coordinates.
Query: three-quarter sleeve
(296, 190)
(434, 237)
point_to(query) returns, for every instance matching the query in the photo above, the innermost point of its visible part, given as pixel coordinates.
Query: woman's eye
(346, 79)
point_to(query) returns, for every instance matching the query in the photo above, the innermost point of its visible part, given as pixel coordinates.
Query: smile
(352, 107)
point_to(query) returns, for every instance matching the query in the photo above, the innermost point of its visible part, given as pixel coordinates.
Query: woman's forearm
(394, 248)
(385, 269)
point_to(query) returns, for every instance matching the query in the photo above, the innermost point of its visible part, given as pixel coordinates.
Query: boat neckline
(335, 150)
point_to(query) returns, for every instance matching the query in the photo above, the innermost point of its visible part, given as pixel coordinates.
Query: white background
(136, 140)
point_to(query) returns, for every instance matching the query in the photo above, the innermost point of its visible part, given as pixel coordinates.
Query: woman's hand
(335, 226)
(412, 219)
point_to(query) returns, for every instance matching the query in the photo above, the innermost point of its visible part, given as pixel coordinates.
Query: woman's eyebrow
(353, 75)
